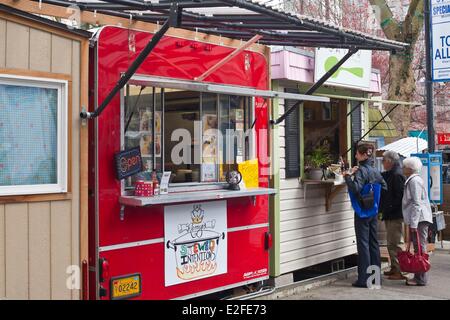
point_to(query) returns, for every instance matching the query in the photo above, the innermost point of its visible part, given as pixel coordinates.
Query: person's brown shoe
(412, 282)
(390, 272)
(397, 276)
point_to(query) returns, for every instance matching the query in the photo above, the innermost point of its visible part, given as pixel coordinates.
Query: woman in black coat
(391, 210)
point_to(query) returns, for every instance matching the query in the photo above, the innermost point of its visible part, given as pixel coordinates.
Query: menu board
(158, 137)
(209, 148)
(145, 129)
(239, 116)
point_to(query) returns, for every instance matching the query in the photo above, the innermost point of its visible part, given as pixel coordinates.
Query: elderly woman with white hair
(416, 211)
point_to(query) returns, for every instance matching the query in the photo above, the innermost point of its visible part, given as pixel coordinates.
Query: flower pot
(315, 174)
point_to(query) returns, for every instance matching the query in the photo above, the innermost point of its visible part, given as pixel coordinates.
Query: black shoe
(358, 285)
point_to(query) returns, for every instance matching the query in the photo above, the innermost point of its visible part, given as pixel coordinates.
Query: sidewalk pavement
(437, 289)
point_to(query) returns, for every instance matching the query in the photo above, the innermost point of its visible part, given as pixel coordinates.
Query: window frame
(187, 186)
(62, 87)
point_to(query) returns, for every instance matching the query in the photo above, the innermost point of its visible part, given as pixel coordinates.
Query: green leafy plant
(318, 158)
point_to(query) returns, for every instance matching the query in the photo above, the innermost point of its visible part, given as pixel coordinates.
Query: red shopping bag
(414, 263)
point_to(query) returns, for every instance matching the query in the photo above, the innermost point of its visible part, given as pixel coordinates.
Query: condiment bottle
(155, 184)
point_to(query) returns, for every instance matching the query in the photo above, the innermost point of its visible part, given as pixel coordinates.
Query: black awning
(241, 19)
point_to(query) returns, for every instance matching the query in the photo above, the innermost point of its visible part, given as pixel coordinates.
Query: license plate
(126, 287)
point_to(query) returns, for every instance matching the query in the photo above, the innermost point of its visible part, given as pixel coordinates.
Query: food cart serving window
(198, 136)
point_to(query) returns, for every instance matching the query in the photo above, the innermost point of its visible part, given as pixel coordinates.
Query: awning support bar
(371, 129)
(228, 57)
(317, 85)
(173, 21)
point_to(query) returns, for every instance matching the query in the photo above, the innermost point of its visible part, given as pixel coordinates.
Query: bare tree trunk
(402, 82)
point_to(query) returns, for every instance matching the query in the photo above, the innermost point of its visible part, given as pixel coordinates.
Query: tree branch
(413, 24)
(388, 23)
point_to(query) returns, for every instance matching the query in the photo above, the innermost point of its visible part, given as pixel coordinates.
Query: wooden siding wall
(308, 233)
(39, 240)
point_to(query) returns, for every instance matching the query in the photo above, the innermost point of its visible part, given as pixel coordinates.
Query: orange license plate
(126, 287)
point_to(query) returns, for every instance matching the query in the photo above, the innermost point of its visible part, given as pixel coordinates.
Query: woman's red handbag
(414, 263)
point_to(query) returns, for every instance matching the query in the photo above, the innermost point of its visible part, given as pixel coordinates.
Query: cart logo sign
(354, 73)
(440, 39)
(195, 241)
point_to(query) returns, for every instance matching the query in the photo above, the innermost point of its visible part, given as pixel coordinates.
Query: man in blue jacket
(365, 228)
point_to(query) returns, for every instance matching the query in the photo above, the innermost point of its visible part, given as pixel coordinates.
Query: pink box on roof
(298, 65)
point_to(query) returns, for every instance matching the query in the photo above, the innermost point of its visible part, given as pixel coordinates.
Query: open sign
(128, 163)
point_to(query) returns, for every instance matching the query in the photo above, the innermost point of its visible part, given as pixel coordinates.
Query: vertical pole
(429, 82)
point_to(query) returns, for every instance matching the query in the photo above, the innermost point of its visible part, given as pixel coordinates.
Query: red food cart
(201, 237)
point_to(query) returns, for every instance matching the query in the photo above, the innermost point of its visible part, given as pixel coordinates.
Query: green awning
(385, 128)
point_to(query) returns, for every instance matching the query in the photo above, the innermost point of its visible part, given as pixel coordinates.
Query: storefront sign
(440, 40)
(128, 163)
(195, 241)
(355, 73)
(443, 138)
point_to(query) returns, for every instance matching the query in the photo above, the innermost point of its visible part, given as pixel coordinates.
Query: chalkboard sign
(128, 163)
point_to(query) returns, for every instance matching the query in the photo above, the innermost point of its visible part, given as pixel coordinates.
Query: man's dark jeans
(367, 246)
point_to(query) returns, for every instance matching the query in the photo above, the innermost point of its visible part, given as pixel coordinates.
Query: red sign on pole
(443, 138)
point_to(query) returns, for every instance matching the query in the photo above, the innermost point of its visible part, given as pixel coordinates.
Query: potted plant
(316, 162)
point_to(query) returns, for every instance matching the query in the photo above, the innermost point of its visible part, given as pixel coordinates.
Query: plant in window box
(316, 163)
